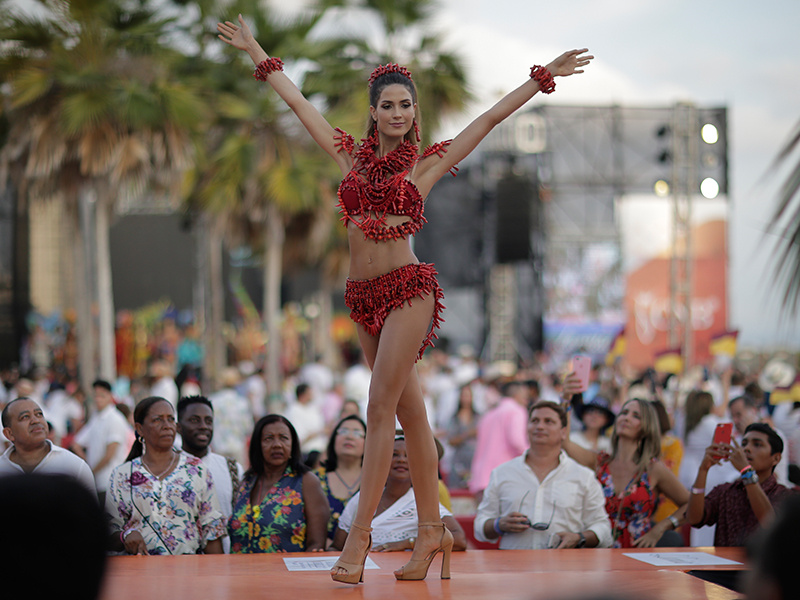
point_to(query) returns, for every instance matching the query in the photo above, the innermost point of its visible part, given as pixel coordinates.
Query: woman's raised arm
(240, 37)
(432, 168)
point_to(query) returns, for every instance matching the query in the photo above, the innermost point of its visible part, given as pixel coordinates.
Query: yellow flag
(669, 361)
(723, 344)
(617, 348)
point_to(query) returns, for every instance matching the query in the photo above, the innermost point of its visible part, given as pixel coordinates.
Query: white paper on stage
(323, 563)
(681, 559)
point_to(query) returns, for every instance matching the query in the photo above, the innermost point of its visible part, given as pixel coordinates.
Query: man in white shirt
(164, 385)
(103, 441)
(233, 417)
(196, 426)
(307, 420)
(31, 452)
(62, 410)
(543, 498)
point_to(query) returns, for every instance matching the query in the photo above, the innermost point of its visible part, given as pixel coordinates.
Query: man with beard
(196, 426)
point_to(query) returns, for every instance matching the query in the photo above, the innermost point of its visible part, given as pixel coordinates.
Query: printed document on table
(322, 563)
(681, 559)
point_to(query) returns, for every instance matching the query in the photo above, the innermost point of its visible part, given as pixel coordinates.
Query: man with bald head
(31, 452)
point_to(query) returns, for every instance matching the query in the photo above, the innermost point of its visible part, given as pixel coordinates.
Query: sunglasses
(359, 433)
(540, 526)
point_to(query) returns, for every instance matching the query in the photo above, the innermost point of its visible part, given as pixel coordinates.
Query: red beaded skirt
(371, 300)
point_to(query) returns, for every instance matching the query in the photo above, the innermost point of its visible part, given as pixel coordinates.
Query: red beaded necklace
(380, 174)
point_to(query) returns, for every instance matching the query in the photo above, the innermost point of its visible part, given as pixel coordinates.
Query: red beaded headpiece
(388, 68)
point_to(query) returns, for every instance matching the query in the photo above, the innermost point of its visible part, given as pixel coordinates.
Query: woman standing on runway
(394, 298)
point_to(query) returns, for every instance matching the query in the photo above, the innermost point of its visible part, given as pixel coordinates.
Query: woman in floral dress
(162, 500)
(280, 505)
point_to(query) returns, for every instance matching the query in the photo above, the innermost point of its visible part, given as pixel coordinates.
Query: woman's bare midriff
(369, 258)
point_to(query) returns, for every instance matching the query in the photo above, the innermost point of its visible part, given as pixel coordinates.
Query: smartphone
(722, 433)
(581, 365)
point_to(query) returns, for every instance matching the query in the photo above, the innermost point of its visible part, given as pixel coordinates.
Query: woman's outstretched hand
(239, 37)
(569, 63)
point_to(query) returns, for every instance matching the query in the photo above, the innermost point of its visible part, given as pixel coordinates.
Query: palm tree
(408, 39)
(786, 221)
(95, 118)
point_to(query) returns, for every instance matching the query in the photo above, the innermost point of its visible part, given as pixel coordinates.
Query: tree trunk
(273, 260)
(215, 356)
(83, 286)
(105, 294)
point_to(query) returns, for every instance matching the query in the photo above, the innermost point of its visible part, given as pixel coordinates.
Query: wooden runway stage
(493, 574)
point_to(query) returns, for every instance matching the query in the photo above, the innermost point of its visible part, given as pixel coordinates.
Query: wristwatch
(581, 542)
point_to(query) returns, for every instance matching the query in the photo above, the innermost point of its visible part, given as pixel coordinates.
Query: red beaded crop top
(376, 187)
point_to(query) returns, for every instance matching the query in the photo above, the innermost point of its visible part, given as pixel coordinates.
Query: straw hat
(776, 373)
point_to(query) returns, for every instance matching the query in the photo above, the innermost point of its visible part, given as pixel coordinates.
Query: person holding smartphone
(740, 507)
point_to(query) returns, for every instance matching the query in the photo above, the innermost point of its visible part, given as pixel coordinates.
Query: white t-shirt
(60, 408)
(603, 442)
(307, 420)
(58, 461)
(396, 523)
(166, 388)
(105, 428)
(223, 487)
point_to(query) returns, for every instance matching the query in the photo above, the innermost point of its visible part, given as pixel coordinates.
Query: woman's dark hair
(332, 461)
(474, 412)
(698, 405)
(663, 416)
(257, 456)
(139, 415)
(377, 88)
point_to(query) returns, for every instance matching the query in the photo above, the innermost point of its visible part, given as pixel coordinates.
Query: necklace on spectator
(165, 471)
(350, 488)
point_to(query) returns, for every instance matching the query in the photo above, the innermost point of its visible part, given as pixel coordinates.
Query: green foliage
(786, 221)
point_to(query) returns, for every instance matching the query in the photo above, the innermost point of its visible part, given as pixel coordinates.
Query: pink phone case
(581, 365)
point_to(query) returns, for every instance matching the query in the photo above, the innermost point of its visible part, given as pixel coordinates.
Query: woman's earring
(416, 131)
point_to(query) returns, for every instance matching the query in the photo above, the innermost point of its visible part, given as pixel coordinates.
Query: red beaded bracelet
(545, 79)
(265, 67)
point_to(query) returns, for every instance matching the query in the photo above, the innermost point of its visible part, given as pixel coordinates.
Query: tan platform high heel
(417, 569)
(353, 572)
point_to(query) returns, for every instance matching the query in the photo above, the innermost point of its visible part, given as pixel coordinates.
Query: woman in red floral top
(632, 477)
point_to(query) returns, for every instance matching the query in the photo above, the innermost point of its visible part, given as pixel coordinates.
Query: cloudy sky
(743, 55)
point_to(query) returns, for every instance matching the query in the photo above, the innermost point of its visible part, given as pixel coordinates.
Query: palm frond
(786, 223)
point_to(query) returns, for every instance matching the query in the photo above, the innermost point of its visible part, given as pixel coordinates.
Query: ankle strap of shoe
(361, 527)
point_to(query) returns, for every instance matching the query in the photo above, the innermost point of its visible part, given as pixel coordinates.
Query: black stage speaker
(515, 195)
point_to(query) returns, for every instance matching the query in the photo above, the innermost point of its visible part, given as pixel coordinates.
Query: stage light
(709, 188)
(709, 134)
(661, 188)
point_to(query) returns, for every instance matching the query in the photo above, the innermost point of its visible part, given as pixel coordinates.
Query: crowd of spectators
(624, 463)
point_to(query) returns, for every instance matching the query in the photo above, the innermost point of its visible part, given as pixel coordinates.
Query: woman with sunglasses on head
(162, 500)
(633, 477)
(394, 299)
(340, 474)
